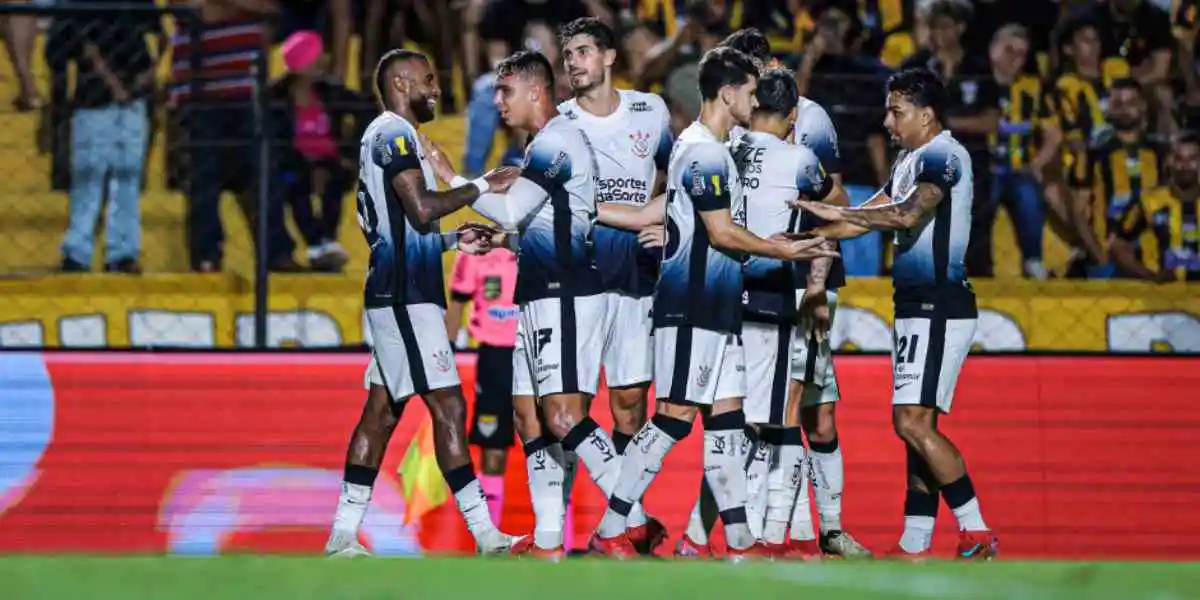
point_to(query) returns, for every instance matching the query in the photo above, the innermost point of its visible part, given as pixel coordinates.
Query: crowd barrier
(147, 312)
(1073, 457)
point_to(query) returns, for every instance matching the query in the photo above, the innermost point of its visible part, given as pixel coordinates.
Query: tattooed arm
(904, 214)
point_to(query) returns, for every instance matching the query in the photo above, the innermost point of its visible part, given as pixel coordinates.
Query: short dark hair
(1070, 27)
(589, 26)
(389, 58)
(777, 92)
(958, 11)
(749, 41)
(527, 63)
(721, 67)
(922, 87)
(1126, 83)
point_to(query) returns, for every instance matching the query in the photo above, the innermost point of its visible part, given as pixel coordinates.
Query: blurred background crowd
(1076, 112)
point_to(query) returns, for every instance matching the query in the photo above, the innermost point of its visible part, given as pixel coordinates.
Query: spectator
(505, 26)
(20, 36)
(675, 61)
(217, 106)
(1038, 17)
(319, 154)
(849, 88)
(1140, 33)
(885, 30)
(1172, 215)
(334, 18)
(973, 113)
(109, 135)
(1117, 168)
(1185, 22)
(1026, 143)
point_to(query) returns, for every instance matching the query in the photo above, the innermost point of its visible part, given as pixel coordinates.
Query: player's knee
(562, 415)
(912, 424)
(821, 430)
(380, 414)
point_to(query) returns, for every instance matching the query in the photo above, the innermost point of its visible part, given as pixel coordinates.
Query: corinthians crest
(641, 143)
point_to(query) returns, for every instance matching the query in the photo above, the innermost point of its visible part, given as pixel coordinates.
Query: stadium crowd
(1075, 111)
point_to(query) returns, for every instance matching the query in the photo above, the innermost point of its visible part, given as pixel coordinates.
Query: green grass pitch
(284, 578)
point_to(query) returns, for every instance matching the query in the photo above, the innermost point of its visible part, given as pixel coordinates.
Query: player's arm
(662, 152)
(633, 218)
(547, 167)
(813, 183)
(396, 155)
(705, 182)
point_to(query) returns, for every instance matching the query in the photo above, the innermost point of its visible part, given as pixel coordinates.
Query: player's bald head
(391, 65)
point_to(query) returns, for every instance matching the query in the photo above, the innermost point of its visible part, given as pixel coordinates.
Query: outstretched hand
(501, 178)
(807, 249)
(437, 159)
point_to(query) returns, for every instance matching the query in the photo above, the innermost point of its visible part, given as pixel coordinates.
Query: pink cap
(301, 50)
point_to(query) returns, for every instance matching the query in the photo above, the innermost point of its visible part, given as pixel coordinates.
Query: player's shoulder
(569, 108)
(390, 123)
(560, 132)
(807, 106)
(638, 102)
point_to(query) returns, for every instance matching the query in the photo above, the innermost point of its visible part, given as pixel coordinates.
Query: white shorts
(629, 343)
(559, 346)
(768, 370)
(411, 352)
(927, 355)
(812, 363)
(698, 366)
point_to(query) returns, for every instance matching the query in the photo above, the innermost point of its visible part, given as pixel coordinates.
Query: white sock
(802, 522)
(473, 506)
(785, 486)
(351, 508)
(696, 530)
(545, 493)
(603, 462)
(643, 459)
(918, 534)
(827, 472)
(969, 517)
(570, 466)
(725, 470)
(762, 455)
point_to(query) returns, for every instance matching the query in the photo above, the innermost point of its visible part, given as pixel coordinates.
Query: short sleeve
(940, 166)
(811, 179)
(547, 161)
(817, 133)
(705, 179)
(462, 279)
(666, 141)
(396, 149)
(1157, 32)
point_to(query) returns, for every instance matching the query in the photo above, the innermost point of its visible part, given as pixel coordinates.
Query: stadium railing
(246, 307)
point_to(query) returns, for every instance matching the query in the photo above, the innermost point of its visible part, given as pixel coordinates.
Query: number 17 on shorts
(927, 356)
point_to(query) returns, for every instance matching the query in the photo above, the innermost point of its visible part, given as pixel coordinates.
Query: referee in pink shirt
(488, 281)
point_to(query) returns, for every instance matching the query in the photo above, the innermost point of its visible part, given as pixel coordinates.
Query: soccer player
(398, 210)
(813, 386)
(698, 360)
(631, 133)
(774, 173)
(488, 281)
(927, 204)
(560, 335)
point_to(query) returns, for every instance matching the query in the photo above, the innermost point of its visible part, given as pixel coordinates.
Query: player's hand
(437, 159)
(827, 212)
(501, 178)
(654, 236)
(808, 249)
(814, 314)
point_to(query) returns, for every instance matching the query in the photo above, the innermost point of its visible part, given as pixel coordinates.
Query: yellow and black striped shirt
(1167, 232)
(1082, 101)
(1027, 108)
(1117, 176)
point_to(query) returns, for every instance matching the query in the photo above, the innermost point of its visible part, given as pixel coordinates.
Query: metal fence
(98, 177)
